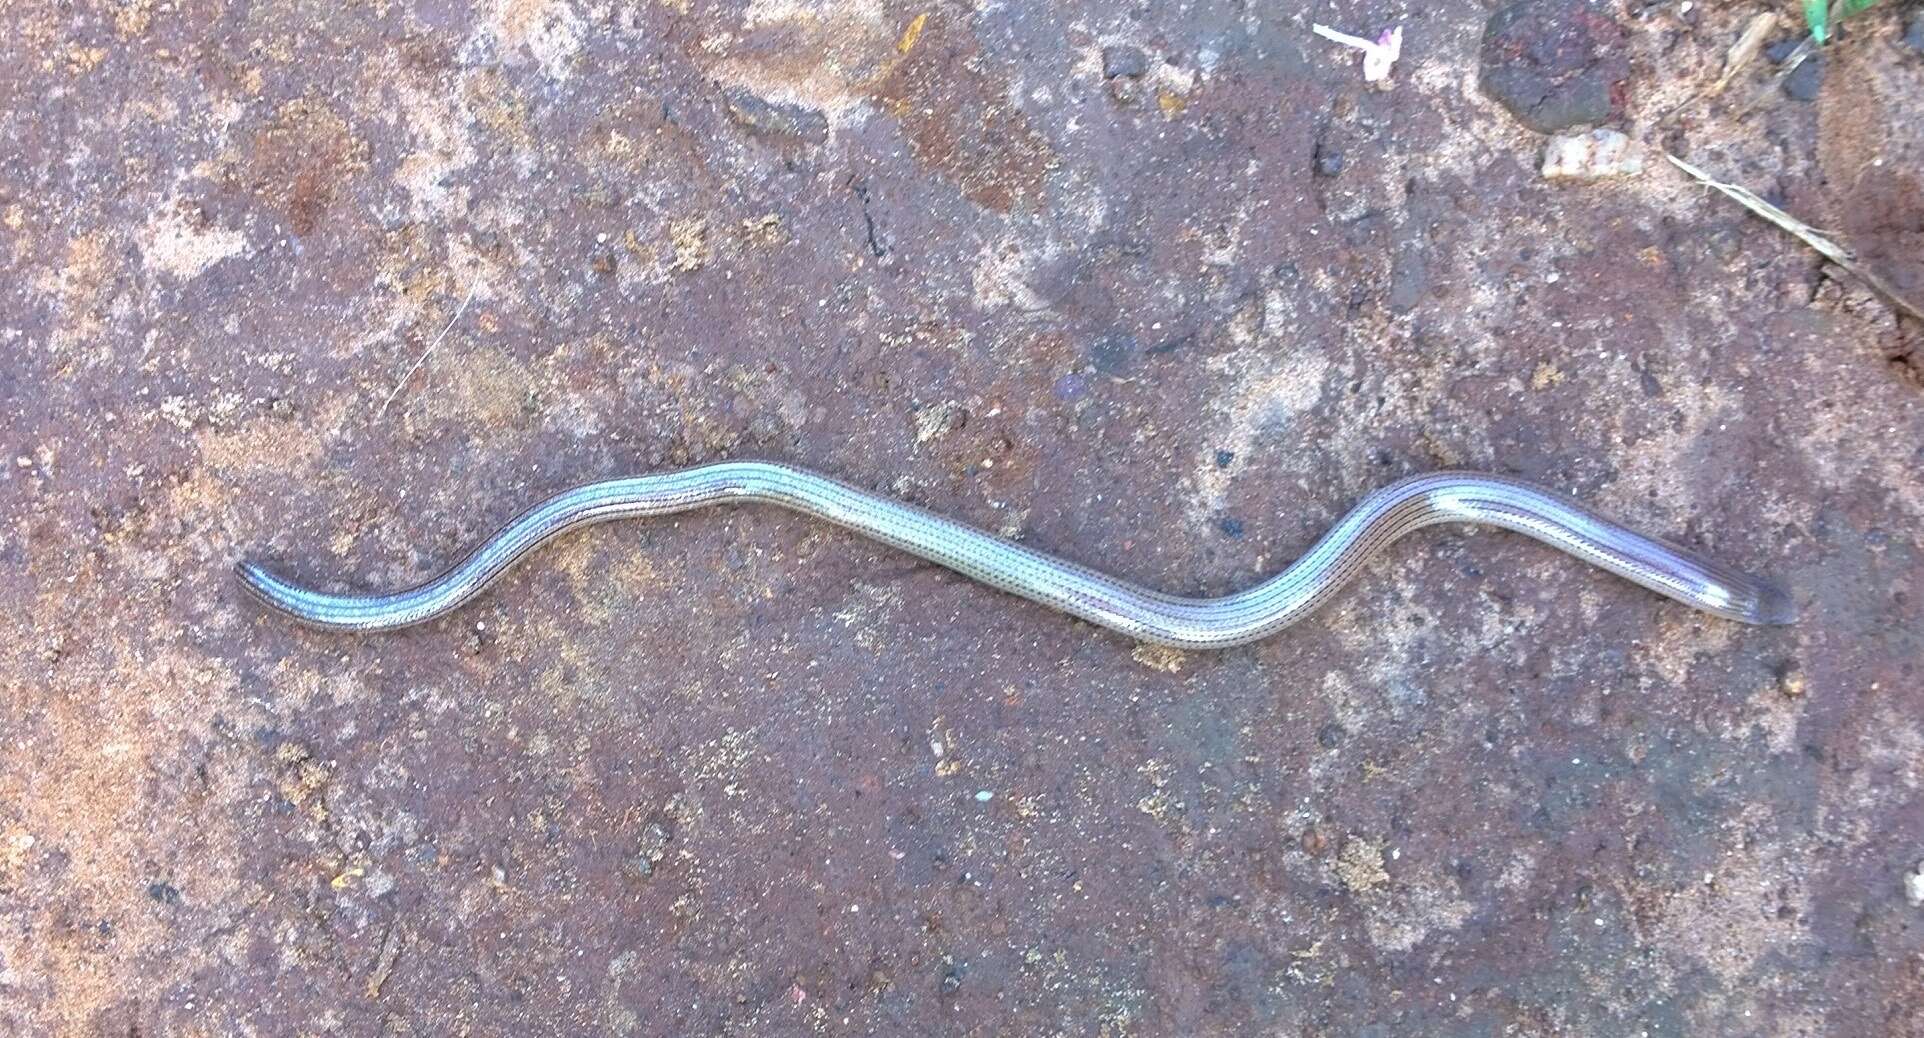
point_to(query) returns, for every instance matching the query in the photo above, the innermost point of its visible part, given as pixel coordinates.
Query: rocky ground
(1164, 288)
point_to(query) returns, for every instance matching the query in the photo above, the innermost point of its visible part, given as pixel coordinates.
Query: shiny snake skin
(1142, 614)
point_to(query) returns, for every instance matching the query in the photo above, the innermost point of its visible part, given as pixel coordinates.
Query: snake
(1119, 605)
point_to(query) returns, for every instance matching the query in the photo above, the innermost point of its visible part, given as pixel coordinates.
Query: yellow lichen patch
(765, 230)
(912, 33)
(1158, 804)
(303, 780)
(82, 60)
(497, 106)
(1545, 376)
(690, 240)
(1171, 103)
(1359, 865)
(132, 18)
(1160, 657)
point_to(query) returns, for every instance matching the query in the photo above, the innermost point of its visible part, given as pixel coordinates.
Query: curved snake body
(1138, 612)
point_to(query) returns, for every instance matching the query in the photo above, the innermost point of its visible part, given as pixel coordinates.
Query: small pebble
(1914, 33)
(1780, 50)
(983, 796)
(1329, 161)
(1914, 885)
(1223, 458)
(1232, 527)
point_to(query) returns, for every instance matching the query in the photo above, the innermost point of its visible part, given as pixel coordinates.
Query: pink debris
(1378, 55)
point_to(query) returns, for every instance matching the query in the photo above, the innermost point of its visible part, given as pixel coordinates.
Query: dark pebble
(1128, 62)
(1803, 84)
(1329, 161)
(1554, 64)
(1914, 33)
(1223, 458)
(1330, 736)
(1232, 527)
(951, 981)
(1780, 50)
(165, 893)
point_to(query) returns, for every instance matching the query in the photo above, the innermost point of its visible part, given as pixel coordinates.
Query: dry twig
(1804, 232)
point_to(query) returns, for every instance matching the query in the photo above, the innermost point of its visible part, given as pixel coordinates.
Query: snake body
(1138, 612)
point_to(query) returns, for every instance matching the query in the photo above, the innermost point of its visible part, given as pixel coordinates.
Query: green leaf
(1847, 8)
(1817, 16)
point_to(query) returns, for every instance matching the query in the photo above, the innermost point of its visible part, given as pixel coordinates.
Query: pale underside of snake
(1138, 612)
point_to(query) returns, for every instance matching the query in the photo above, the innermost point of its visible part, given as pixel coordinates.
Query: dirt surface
(742, 774)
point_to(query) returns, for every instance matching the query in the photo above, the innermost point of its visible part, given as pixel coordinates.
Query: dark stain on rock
(1113, 353)
(766, 118)
(302, 160)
